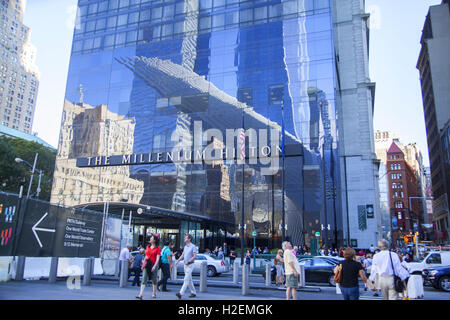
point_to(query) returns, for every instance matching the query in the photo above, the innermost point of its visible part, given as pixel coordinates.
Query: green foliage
(13, 174)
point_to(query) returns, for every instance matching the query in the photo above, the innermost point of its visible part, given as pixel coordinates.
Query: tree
(13, 174)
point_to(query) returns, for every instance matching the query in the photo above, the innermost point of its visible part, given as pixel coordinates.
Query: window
(434, 258)
(276, 94)
(394, 185)
(322, 263)
(306, 262)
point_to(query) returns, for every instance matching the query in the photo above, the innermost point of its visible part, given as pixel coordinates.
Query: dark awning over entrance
(148, 213)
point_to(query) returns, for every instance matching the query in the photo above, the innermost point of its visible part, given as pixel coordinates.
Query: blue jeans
(350, 293)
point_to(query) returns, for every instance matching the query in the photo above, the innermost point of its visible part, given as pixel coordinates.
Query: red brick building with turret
(402, 184)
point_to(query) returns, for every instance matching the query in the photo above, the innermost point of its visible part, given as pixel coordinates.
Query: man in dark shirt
(137, 267)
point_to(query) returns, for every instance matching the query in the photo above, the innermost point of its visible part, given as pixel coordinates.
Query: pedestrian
(407, 258)
(295, 250)
(278, 261)
(351, 270)
(220, 254)
(233, 257)
(341, 252)
(150, 266)
(292, 270)
(248, 256)
(125, 256)
(385, 264)
(404, 263)
(188, 256)
(216, 251)
(372, 249)
(166, 265)
(208, 252)
(367, 264)
(137, 267)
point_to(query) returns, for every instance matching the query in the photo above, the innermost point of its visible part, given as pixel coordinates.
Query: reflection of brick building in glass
(402, 184)
(87, 130)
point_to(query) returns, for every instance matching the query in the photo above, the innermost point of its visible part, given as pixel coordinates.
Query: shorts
(291, 281)
(153, 276)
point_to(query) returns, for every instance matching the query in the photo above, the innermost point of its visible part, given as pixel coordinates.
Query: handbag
(338, 275)
(398, 283)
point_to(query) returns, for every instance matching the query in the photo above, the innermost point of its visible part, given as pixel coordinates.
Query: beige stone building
(19, 76)
(108, 134)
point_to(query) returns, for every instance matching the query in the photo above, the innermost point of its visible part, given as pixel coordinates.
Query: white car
(434, 259)
(215, 267)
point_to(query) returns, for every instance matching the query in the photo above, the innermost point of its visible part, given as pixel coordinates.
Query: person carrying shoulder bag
(347, 273)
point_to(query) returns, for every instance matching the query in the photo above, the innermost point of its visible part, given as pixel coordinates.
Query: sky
(396, 28)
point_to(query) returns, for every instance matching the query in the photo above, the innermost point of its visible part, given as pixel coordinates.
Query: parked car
(433, 259)
(215, 267)
(439, 277)
(317, 269)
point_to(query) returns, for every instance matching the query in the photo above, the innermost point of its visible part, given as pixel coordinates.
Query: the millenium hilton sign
(257, 150)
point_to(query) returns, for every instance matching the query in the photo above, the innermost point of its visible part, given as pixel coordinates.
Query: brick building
(402, 184)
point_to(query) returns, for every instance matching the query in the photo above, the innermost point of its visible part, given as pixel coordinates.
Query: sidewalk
(103, 290)
(216, 284)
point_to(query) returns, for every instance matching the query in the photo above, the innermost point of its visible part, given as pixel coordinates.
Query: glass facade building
(144, 73)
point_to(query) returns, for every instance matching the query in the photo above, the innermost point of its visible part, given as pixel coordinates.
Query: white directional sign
(35, 228)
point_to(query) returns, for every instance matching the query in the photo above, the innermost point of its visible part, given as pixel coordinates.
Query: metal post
(242, 201)
(236, 272)
(123, 274)
(283, 213)
(88, 271)
(268, 275)
(53, 270)
(174, 272)
(20, 269)
(203, 276)
(39, 185)
(245, 278)
(32, 174)
(302, 282)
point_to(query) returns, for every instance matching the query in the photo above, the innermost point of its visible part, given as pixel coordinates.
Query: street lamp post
(33, 169)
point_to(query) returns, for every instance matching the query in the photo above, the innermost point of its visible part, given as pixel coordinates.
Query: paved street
(109, 290)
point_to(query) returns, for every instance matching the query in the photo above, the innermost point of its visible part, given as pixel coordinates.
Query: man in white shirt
(292, 270)
(382, 267)
(124, 256)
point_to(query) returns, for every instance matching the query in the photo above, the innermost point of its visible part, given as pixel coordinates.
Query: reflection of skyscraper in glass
(85, 131)
(170, 64)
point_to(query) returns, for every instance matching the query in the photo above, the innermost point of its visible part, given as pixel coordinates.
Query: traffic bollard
(268, 275)
(88, 270)
(123, 274)
(203, 276)
(236, 272)
(302, 282)
(245, 278)
(20, 268)
(174, 272)
(53, 270)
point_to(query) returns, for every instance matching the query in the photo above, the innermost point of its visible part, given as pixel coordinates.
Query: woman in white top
(279, 267)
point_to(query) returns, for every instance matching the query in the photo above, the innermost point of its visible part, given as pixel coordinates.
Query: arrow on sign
(34, 228)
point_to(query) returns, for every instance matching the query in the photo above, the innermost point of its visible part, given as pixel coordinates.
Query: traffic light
(406, 239)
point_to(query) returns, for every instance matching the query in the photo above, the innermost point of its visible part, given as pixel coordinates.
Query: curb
(218, 284)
